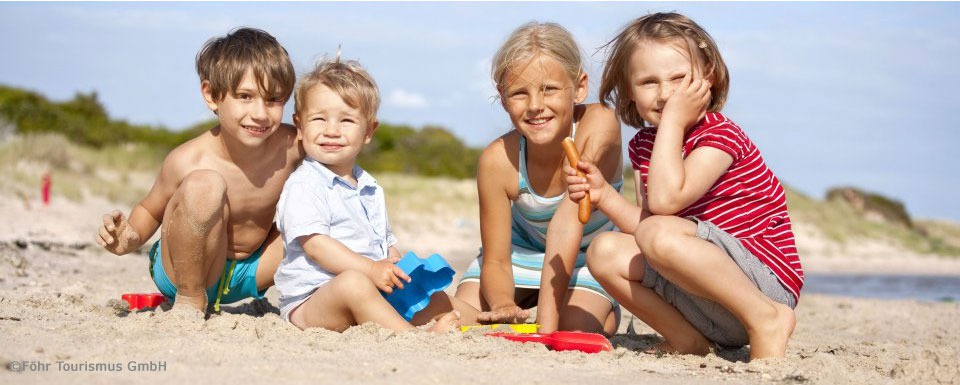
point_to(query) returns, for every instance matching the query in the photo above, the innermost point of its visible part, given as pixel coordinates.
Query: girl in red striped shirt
(707, 257)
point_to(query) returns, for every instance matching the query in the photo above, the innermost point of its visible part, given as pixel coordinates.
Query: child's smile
(331, 147)
(247, 113)
(333, 133)
(538, 123)
(256, 130)
(539, 97)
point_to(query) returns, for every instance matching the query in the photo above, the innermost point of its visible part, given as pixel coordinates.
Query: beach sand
(60, 310)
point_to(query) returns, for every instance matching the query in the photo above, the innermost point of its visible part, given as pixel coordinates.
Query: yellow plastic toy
(517, 328)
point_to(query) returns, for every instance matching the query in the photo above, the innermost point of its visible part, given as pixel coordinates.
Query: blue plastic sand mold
(427, 276)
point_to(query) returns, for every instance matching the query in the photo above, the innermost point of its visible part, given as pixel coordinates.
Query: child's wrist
(502, 305)
(603, 197)
(370, 265)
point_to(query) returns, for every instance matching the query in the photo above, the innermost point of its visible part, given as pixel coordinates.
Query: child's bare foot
(770, 338)
(661, 348)
(700, 348)
(188, 303)
(446, 323)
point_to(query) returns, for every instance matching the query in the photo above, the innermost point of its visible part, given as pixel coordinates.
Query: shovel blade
(580, 341)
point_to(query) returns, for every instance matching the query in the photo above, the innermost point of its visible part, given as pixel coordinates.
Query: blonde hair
(661, 28)
(534, 38)
(348, 79)
(224, 60)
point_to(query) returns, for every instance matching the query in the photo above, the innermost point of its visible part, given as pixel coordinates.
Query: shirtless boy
(215, 197)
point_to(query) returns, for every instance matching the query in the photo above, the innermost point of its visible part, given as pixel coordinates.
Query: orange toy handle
(571, 149)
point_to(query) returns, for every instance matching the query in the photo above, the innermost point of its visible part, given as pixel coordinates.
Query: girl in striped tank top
(533, 244)
(707, 258)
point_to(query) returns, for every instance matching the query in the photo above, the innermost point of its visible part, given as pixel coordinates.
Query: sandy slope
(58, 297)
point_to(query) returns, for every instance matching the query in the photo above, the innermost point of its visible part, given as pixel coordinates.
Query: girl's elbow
(663, 206)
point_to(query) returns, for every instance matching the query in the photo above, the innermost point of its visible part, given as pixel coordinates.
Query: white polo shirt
(317, 201)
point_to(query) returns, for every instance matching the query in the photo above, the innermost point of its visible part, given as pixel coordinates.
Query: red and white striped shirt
(747, 201)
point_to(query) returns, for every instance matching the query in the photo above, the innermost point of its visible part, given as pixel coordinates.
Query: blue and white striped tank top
(532, 213)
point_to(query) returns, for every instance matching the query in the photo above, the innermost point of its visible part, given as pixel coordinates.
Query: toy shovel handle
(522, 337)
(573, 156)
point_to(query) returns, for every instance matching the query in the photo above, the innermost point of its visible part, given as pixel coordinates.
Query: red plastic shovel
(139, 301)
(560, 341)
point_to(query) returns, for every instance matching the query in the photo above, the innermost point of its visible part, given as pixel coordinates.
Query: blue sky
(833, 93)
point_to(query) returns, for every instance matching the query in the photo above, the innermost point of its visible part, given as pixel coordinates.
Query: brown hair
(661, 28)
(348, 79)
(534, 38)
(224, 60)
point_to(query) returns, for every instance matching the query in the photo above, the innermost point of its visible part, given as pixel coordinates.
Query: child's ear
(503, 102)
(370, 131)
(296, 122)
(582, 88)
(207, 90)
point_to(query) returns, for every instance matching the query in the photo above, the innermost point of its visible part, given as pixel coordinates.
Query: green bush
(431, 151)
(82, 119)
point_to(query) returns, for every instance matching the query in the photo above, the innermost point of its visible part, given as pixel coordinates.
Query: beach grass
(122, 173)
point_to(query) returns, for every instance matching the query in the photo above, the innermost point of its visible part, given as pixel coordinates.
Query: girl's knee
(660, 236)
(648, 230)
(602, 251)
(589, 313)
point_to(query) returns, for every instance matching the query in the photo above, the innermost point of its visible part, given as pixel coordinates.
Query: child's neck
(237, 153)
(546, 156)
(344, 171)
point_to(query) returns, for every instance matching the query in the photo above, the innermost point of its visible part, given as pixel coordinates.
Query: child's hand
(592, 182)
(688, 103)
(387, 276)
(116, 235)
(510, 314)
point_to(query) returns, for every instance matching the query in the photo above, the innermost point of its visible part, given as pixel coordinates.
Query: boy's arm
(675, 183)
(336, 258)
(121, 235)
(147, 215)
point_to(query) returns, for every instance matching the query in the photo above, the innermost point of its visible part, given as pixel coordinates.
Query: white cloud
(405, 99)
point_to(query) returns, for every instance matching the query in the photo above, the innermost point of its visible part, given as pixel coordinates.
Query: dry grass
(122, 174)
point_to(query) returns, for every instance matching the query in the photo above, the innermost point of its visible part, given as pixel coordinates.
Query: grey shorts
(715, 322)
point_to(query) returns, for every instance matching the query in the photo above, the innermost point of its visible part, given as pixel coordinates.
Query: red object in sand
(139, 301)
(560, 341)
(45, 189)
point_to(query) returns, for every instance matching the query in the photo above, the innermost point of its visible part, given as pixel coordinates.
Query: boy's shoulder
(189, 152)
(287, 132)
(197, 151)
(284, 138)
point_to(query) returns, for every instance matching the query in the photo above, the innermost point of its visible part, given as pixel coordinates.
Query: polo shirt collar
(364, 179)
